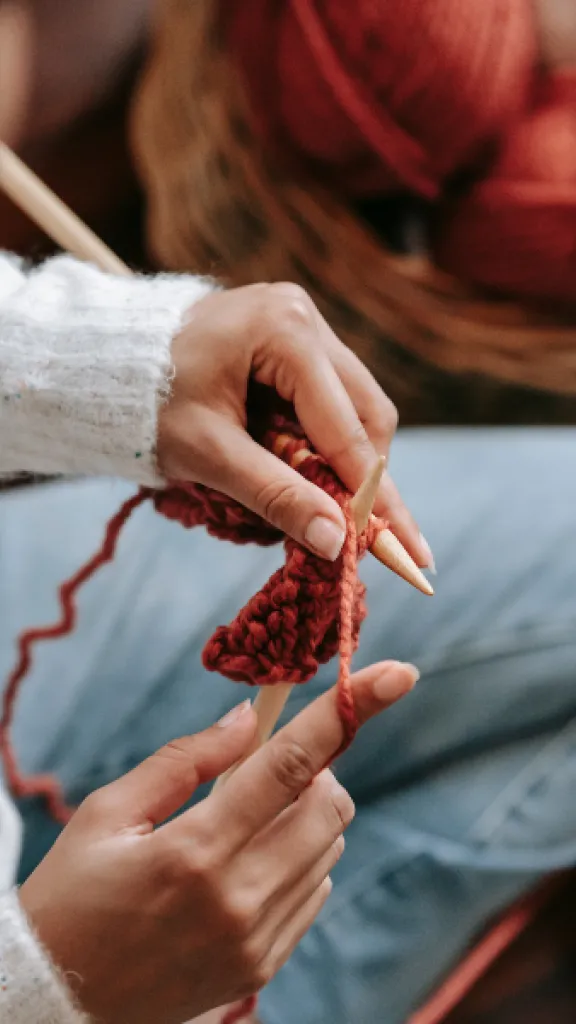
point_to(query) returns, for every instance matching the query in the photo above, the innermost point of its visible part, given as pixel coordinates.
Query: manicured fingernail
(234, 714)
(430, 563)
(414, 672)
(325, 537)
(382, 684)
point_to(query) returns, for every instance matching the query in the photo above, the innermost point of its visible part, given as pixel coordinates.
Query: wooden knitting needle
(44, 208)
(386, 548)
(271, 700)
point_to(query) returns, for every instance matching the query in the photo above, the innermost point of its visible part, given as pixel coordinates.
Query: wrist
(83, 379)
(33, 990)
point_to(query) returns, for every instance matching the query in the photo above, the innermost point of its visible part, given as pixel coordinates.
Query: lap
(496, 645)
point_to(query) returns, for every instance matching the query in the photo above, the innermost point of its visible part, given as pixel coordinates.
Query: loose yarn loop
(307, 612)
(22, 786)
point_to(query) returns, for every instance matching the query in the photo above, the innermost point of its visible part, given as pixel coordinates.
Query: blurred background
(423, 192)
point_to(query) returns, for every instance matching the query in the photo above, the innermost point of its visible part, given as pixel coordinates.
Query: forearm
(84, 365)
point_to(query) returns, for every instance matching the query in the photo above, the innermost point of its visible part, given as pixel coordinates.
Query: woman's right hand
(164, 920)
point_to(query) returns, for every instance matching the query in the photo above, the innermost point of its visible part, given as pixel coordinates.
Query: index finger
(269, 781)
(350, 420)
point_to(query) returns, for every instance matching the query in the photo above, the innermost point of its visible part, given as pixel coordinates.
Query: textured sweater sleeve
(31, 990)
(84, 364)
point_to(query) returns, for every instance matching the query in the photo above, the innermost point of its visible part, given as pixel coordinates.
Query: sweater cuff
(85, 362)
(31, 990)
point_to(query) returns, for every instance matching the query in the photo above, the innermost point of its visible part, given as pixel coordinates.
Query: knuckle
(358, 439)
(290, 291)
(198, 863)
(279, 503)
(389, 418)
(337, 804)
(240, 914)
(295, 305)
(98, 806)
(178, 750)
(293, 766)
(262, 974)
(255, 964)
(356, 442)
(187, 863)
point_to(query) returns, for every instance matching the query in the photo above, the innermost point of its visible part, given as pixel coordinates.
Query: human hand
(274, 334)
(164, 921)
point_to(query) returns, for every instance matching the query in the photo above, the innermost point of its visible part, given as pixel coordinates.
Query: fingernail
(341, 797)
(234, 714)
(430, 563)
(414, 672)
(382, 684)
(325, 537)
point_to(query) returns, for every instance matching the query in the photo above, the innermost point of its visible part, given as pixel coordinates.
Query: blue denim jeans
(464, 791)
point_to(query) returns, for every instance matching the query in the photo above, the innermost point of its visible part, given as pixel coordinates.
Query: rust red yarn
(46, 786)
(444, 99)
(375, 95)
(307, 612)
(515, 229)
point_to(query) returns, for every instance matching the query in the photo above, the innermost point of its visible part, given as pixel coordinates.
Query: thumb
(263, 483)
(157, 788)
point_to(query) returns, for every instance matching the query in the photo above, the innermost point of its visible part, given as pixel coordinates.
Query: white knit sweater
(84, 365)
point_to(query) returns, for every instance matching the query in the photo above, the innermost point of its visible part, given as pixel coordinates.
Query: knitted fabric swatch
(309, 610)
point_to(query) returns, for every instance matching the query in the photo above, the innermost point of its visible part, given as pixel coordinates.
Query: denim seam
(520, 640)
(545, 765)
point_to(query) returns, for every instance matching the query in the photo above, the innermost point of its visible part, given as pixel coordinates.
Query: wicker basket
(218, 205)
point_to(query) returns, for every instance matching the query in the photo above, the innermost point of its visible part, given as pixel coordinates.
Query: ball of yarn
(379, 95)
(515, 231)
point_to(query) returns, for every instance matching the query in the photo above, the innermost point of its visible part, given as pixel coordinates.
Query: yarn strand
(307, 612)
(44, 785)
(348, 590)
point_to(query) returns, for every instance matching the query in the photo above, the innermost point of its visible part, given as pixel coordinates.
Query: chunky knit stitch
(307, 612)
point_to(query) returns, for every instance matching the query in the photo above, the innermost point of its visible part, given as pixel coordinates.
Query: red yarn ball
(515, 231)
(378, 95)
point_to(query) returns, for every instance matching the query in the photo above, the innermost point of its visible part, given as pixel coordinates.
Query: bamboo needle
(271, 700)
(46, 210)
(386, 548)
(362, 503)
